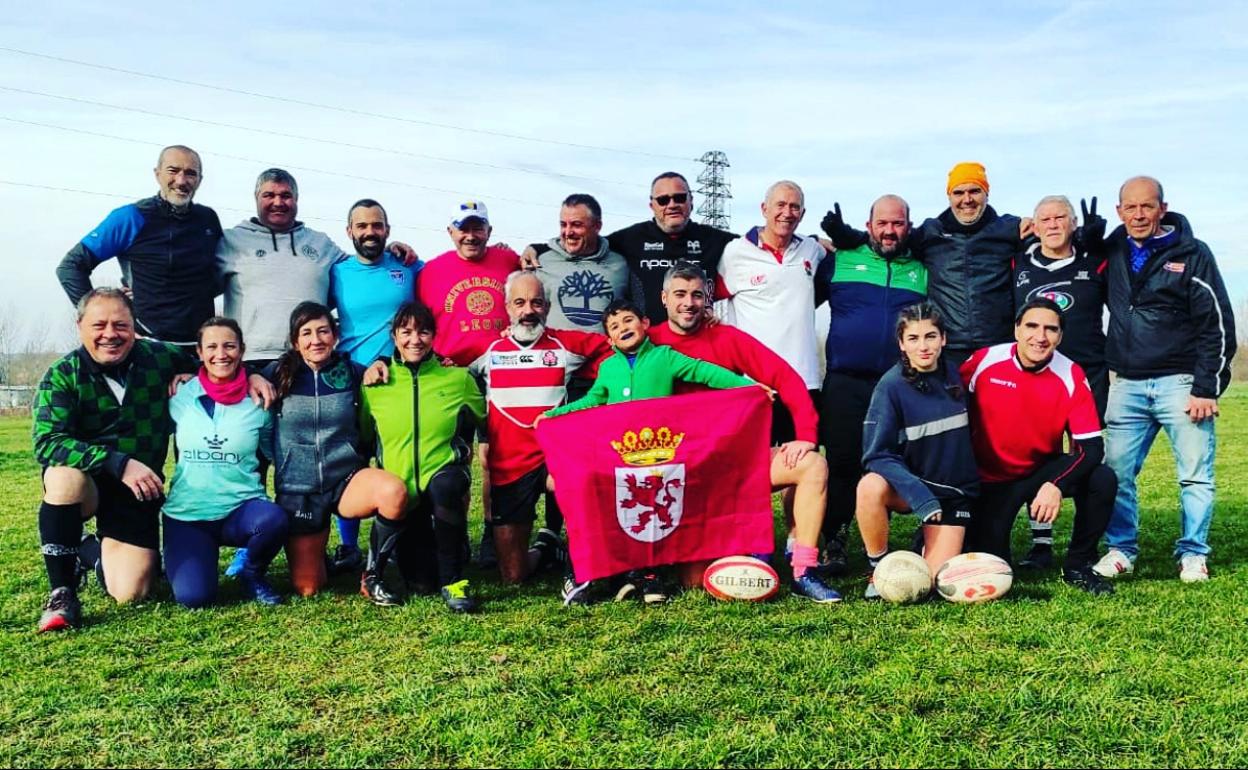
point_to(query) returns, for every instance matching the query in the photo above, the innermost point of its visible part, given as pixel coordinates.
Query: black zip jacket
(1172, 317)
(167, 259)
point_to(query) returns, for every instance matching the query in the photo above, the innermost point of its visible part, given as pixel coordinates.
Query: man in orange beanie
(968, 251)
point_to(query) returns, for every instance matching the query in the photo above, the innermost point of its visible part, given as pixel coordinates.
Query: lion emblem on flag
(649, 501)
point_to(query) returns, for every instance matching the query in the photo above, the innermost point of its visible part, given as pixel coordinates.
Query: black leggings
(999, 503)
(432, 544)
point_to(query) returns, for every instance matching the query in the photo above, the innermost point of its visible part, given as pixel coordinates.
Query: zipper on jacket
(316, 429)
(416, 421)
(888, 285)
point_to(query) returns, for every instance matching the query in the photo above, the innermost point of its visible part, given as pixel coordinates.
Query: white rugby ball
(903, 577)
(974, 577)
(741, 577)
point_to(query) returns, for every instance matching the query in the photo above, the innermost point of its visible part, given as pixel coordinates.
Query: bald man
(165, 245)
(1170, 342)
(866, 289)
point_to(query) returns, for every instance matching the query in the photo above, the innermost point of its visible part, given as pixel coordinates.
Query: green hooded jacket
(651, 375)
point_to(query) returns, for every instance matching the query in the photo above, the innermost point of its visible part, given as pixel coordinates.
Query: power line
(304, 138)
(268, 163)
(245, 212)
(344, 110)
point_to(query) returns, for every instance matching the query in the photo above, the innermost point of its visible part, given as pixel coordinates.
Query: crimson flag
(664, 480)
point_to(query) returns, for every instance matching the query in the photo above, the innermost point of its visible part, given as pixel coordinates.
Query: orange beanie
(967, 173)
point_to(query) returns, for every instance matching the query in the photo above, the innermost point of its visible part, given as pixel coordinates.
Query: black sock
(382, 542)
(554, 516)
(60, 531)
(450, 529)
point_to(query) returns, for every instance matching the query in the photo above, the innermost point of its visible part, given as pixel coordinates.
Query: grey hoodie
(266, 273)
(580, 287)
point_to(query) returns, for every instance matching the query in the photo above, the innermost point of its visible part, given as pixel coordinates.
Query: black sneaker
(1085, 579)
(576, 594)
(835, 560)
(553, 552)
(652, 590)
(346, 559)
(374, 589)
(61, 612)
(1039, 557)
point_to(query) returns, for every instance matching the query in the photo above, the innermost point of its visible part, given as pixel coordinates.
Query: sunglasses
(663, 200)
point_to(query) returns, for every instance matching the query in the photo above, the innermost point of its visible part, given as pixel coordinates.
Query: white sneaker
(1192, 568)
(1113, 564)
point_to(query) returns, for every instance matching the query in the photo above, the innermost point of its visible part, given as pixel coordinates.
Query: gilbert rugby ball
(903, 577)
(974, 577)
(741, 577)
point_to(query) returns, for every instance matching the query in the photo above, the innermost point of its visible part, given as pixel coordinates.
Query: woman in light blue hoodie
(217, 495)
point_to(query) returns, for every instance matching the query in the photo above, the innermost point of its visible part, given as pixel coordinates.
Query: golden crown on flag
(648, 447)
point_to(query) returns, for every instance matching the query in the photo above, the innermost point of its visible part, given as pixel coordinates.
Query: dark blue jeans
(192, 547)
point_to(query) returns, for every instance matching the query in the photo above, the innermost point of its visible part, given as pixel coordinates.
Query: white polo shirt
(771, 297)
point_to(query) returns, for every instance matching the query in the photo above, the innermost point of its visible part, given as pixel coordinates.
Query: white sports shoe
(1192, 568)
(1113, 564)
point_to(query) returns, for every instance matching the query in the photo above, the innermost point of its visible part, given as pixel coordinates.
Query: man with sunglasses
(655, 245)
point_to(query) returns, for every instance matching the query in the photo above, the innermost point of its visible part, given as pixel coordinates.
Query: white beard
(527, 335)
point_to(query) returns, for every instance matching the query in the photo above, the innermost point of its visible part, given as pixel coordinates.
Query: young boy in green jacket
(640, 369)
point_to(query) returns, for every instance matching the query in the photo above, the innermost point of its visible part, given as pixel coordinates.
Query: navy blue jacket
(1173, 316)
(920, 440)
(167, 259)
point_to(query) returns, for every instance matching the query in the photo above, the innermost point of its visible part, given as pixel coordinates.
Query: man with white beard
(525, 374)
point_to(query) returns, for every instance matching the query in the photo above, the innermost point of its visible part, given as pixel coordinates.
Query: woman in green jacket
(417, 417)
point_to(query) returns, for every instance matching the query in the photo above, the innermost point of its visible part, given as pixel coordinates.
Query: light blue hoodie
(217, 468)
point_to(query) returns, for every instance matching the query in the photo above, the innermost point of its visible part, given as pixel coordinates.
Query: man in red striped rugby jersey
(526, 373)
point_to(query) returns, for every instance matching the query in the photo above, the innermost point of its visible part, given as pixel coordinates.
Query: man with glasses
(655, 245)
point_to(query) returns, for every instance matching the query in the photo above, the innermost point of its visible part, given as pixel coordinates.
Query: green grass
(1156, 675)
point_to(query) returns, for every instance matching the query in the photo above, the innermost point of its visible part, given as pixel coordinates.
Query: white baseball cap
(468, 210)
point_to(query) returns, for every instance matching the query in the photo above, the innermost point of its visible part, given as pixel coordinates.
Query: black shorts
(954, 512)
(310, 513)
(123, 517)
(782, 428)
(516, 503)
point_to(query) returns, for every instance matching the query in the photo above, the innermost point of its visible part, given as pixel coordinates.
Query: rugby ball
(974, 577)
(741, 577)
(903, 577)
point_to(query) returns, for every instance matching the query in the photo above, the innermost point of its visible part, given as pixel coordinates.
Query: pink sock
(804, 557)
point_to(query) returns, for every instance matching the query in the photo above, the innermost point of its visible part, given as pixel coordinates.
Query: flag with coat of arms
(662, 481)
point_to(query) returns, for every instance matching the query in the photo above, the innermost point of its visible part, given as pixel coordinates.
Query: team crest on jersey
(810, 269)
(550, 358)
(1175, 267)
(1065, 300)
(397, 276)
(337, 377)
(309, 251)
(693, 247)
(758, 280)
(1082, 275)
(479, 302)
(1023, 279)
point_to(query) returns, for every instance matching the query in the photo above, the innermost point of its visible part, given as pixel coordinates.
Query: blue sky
(850, 100)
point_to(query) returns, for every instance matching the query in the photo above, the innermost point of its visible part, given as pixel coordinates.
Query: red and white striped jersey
(522, 381)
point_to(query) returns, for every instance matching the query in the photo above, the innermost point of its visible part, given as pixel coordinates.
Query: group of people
(962, 357)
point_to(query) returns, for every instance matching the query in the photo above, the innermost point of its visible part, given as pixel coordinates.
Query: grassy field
(1154, 676)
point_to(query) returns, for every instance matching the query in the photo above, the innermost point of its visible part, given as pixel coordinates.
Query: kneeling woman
(917, 446)
(417, 415)
(217, 497)
(321, 467)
